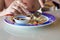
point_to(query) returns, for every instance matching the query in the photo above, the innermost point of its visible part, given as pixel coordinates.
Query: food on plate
(35, 19)
(38, 20)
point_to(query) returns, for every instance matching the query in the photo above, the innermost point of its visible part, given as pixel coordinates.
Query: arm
(1, 5)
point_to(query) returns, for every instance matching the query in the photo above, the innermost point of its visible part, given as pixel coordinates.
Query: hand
(16, 8)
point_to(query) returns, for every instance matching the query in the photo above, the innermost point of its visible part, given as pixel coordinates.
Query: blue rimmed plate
(49, 16)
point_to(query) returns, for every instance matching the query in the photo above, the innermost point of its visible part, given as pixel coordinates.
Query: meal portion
(40, 20)
(35, 18)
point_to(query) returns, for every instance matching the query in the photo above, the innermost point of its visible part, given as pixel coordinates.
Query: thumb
(6, 12)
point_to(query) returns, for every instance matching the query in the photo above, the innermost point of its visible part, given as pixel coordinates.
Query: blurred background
(51, 5)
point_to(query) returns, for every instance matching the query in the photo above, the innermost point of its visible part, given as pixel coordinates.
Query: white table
(51, 32)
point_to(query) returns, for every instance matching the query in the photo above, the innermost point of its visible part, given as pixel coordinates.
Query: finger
(21, 4)
(16, 12)
(20, 8)
(24, 8)
(17, 8)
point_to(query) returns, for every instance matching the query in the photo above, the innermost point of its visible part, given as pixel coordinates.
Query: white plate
(50, 20)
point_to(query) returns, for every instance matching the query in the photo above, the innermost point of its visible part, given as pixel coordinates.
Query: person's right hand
(16, 8)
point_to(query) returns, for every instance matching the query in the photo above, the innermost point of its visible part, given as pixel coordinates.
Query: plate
(51, 19)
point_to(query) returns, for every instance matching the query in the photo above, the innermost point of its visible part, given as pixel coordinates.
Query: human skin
(1, 5)
(33, 5)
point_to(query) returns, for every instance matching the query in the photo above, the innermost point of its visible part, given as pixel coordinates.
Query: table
(51, 32)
